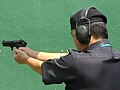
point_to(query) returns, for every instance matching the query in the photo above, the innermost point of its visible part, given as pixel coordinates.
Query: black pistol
(15, 43)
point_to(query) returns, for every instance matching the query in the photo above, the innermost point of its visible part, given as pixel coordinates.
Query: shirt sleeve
(58, 70)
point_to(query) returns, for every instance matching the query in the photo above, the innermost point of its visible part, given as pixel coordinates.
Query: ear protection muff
(83, 28)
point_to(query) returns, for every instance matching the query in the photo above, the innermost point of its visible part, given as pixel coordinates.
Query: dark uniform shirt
(97, 68)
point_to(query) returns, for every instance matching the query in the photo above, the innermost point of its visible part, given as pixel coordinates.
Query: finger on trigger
(21, 48)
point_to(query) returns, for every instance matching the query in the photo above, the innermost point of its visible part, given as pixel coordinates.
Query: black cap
(93, 15)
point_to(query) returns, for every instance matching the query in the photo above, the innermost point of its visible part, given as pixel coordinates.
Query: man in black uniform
(93, 66)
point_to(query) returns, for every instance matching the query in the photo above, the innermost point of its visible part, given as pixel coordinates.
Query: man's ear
(73, 32)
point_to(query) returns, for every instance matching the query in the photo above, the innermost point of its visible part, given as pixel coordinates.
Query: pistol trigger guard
(11, 48)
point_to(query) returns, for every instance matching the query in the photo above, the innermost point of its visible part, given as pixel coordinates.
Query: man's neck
(94, 40)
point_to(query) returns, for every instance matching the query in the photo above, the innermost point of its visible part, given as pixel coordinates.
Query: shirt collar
(99, 44)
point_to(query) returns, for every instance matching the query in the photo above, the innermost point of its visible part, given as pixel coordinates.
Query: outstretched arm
(41, 55)
(45, 55)
(34, 59)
